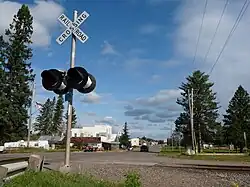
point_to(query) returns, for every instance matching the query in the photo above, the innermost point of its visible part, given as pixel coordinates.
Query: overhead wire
(237, 21)
(216, 30)
(200, 30)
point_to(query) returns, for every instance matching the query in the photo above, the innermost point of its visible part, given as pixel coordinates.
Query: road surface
(114, 165)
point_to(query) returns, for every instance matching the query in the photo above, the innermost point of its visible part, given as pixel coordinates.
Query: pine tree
(44, 121)
(16, 73)
(3, 93)
(124, 139)
(205, 109)
(74, 118)
(237, 118)
(58, 116)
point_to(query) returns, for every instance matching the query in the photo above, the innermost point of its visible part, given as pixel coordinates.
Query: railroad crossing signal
(72, 28)
(61, 82)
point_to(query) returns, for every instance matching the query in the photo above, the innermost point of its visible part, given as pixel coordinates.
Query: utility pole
(191, 110)
(245, 139)
(30, 116)
(172, 136)
(70, 99)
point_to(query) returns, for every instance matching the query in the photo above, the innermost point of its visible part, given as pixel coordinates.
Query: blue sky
(139, 53)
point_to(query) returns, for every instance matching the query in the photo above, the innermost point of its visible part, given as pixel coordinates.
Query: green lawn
(236, 158)
(56, 179)
(211, 150)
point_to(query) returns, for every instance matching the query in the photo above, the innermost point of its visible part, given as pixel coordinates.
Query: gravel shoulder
(153, 176)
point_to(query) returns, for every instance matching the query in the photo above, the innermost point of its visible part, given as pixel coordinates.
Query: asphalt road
(115, 165)
(56, 157)
(117, 157)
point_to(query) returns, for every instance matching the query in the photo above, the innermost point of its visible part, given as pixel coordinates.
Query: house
(90, 141)
(51, 139)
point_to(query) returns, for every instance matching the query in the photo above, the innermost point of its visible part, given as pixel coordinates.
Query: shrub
(133, 180)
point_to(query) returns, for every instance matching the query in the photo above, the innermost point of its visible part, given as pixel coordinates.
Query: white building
(135, 142)
(36, 144)
(103, 131)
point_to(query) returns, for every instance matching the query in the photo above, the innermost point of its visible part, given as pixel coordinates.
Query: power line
(237, 21)
(198, 40)
(216, 30)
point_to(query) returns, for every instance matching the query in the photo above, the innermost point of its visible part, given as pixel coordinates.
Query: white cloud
(92, 97)
(162, 97)
(45, 15)
(90, 113)
(108, 49)
(233, 66)
(106, 120)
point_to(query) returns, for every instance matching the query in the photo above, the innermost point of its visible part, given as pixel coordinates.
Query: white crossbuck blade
(72, 27)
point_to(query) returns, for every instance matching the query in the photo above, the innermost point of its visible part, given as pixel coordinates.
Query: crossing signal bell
(75, 78)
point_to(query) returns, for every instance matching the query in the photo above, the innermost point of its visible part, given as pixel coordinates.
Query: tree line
(233, 129)
(15, 76)
(51, 120)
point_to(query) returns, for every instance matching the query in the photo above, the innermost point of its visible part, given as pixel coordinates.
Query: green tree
(237, 118)
(74, 118)
(3, 93)
(16, 73)
(205, 109)
(58, 116)
(124, 139)
(44, 121)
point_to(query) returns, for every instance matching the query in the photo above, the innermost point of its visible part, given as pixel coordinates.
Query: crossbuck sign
(72, 28)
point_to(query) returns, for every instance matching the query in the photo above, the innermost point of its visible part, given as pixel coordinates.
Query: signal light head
(60, 82)
(77, 77)
(54, 80)
(80, 79)
(89, 86)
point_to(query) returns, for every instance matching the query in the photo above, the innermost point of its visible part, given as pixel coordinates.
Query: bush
(133, 180)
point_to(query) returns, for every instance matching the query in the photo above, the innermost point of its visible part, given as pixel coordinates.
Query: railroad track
(222, 168)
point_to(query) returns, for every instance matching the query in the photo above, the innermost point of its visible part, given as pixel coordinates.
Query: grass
(56, 179)
(211, 150)
(37, 150)
(177, 154)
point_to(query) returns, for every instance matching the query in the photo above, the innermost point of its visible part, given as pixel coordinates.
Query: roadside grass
(55, 179)
(181, 155)
(211, 150)
(38, 150)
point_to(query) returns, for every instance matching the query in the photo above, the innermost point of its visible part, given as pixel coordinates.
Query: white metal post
(70, 99)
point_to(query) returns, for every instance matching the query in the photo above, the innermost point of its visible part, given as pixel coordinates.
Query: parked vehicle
(88, 149)
(2, 149)
(144, 148)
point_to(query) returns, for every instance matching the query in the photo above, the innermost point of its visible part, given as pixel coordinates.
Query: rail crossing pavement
(72, 28)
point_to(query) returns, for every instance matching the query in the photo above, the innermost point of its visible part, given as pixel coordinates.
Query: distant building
(51, 139)
(135, 142)
(90, 141)
(36, 144)
(102, 131)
